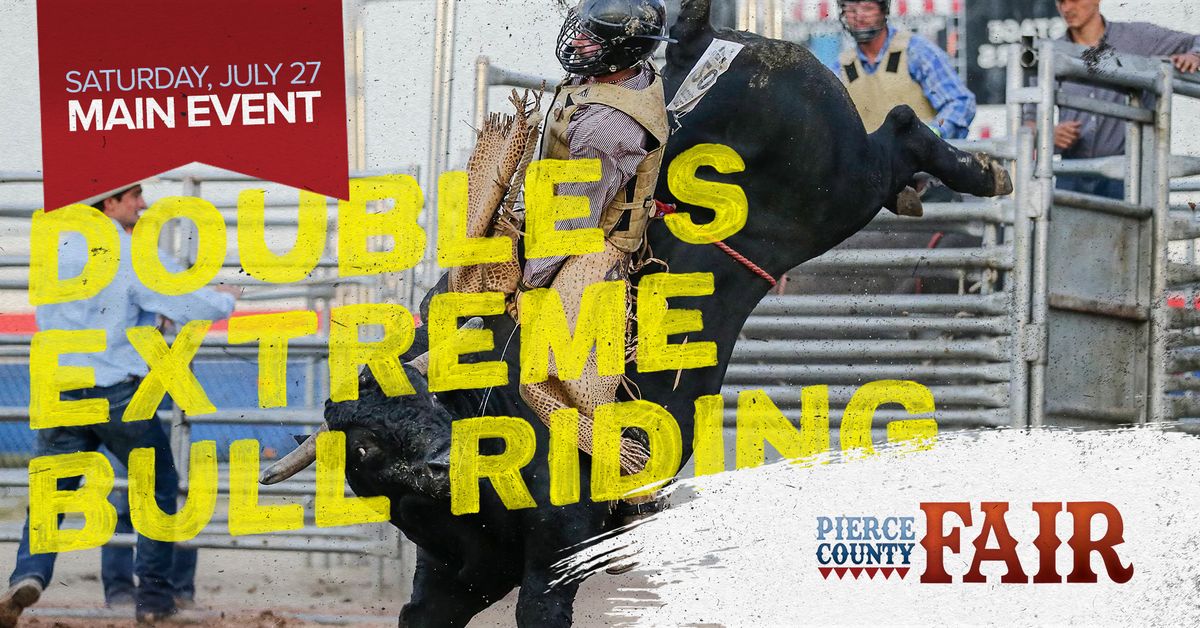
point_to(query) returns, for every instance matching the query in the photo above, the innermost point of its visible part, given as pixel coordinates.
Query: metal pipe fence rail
(1183, 351)
(957, 341)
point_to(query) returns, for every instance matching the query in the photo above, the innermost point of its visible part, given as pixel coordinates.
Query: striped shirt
(931, 68)
(618, 141)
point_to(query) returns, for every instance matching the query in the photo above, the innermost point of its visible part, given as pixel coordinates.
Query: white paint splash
(743, 551)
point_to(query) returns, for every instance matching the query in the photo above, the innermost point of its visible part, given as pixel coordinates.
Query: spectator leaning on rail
(124, 303)
(889, 67)
(1081, 134)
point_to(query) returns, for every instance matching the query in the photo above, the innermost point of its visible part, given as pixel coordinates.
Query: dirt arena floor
(243, 589)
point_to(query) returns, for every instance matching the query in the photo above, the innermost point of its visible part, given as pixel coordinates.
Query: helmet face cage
(620, 34)
(863, 35)
(588, 60)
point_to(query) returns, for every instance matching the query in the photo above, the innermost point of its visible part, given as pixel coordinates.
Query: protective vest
(625, 218)
(875, 94)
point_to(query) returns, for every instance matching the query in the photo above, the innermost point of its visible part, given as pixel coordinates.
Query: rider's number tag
(711, 65)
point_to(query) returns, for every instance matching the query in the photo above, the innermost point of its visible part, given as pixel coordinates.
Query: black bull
(813, 177)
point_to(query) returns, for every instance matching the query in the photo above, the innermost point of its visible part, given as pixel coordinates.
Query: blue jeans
(154, 558)
(116, 563)
(1092, 184)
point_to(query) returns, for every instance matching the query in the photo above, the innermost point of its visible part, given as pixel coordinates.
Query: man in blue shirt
(888, 67)
(124, 303)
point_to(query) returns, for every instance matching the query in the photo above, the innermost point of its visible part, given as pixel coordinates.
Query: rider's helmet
(863, 34)
(606, 36)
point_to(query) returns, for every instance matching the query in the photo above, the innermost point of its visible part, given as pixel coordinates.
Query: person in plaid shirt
(888, 67)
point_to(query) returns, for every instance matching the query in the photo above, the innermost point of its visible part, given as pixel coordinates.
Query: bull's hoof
(1004, 184)
(907, 203)
(1001, 181)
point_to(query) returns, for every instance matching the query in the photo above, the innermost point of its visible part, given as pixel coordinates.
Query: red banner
(131, 88)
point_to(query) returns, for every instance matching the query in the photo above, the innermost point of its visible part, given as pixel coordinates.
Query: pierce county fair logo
(867, 546)
(872, 546)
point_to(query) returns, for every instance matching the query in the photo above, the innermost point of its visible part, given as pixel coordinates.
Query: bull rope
(662, 209)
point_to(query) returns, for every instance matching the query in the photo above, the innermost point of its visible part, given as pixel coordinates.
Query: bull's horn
(294, 462)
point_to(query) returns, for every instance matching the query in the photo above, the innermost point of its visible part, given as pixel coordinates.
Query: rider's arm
(932, 69)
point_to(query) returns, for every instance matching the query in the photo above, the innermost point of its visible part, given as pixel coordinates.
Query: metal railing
(959, 342)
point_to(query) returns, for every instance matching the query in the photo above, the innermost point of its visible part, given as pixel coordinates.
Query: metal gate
(1096, 340)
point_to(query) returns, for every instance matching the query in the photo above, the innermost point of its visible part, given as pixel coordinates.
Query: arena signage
(261, 92)
(994, 24)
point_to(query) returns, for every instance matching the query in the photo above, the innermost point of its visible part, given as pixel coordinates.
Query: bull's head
(393, 444)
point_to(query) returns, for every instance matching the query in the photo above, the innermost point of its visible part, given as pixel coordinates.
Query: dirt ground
(244, 589)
